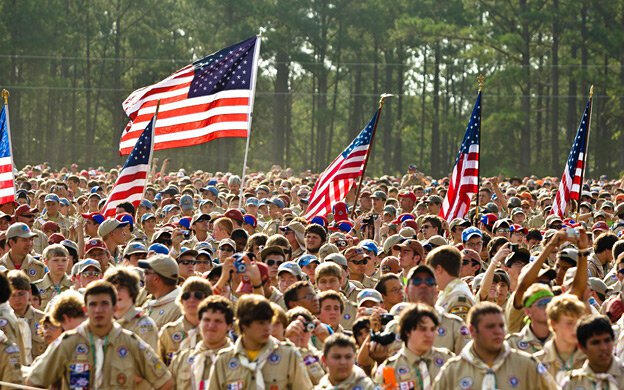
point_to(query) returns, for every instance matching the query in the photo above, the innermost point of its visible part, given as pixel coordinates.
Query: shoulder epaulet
(444, 351)
(451, 316)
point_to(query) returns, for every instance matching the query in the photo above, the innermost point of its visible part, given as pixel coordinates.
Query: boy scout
(342, 374)
(9, 361)
(532, 337)
(329, 276)
(55, 281)
(301, 325)
(20, 303)
(161, 279)
(601, 370)
(257, 360)
(488, 362)
(20, 241)
(418, 362)
(191, 366)
(99, 353)
(455, 296)
(561, 354)
(126, 282)
(9, 323)
(194, 290)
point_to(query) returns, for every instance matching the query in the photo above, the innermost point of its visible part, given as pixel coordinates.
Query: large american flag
(208, 99)
(7, 185)
(570, 185)
(335, 182)
(132, 179)
(465, 177)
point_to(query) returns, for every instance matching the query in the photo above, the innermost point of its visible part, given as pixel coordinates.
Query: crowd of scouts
(207, 285)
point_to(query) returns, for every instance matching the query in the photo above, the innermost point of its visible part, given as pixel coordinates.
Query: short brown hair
(18, 280)
(53, 251)
(194, 283)
(446, 256)
(225, 223)
(411, 317)
(101, 287)
(253, 307)
(217, 303)
(337, 340)
(279, 315)
(68, 303)
(331, 294)
(121, 276)
(297, 311)
(328, 268)
(480, 309)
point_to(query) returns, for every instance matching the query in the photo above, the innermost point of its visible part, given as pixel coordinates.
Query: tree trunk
(572, 115)
(423, 116)
(435, 126)
(554, 104)
(280, 102)
(525, 139)
(387, 124)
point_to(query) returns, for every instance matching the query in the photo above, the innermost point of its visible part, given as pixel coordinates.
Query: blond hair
(565, 304)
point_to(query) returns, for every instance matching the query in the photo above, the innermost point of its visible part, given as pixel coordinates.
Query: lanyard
(420, 378)
(92, 345)
(567, 365)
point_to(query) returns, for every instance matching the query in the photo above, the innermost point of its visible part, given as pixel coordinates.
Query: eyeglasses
(187, 262)
(197, 294)
(466, 262)
(360, 262)
(621, 271)
(226, 249)
(272, 262)
(197, 262)
(428, 281)
(386, 268)
(90, 274)
(423, 227)
(502, 230)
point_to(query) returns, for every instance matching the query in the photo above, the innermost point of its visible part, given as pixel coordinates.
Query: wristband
(585, 252)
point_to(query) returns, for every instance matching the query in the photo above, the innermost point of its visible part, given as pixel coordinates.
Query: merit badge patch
(11, 349)
(274, 358)
(541, 369)
(32, 272)
(465, 382)
(121, 379)
(161, 312)
(464, 330)
(81, 349)
(513, 381)
(439, 362)
(3, 322)
(233, 364)
(310, 359)
(177, 337)
(122, 352)
(441, 331)
(347, 316)
(523, 345)
(402, 370)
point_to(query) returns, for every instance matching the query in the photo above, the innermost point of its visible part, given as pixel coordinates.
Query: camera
(309, 326)
(385, 318)
(514, 247)
(572, 232)
(239, 264)
(385, 338)
(186, 234)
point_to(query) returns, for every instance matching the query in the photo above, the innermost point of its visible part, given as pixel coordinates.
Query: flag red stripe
(193, 109)
(6, 168)
(131, 177)
(240, 133)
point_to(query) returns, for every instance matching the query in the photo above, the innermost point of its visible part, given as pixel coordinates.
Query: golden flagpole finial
(383, 98)
(480, 81)
(5, 96)
(591, 91)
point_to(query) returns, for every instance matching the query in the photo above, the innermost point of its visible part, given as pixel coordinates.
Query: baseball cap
(234, 214)
(458, 222)
(353, 252)
(412, 244)
(50, 225)
(250, 220)
(227, 241)
(94, 243)
(319, 220)
(253, 201)
(70, 244)
(212, 189)
(147, 216)
(369, 245)
(188, 251)
(369, 294)
(158, 249)
(278, 202)
(95, 217)
(520, 254)
(434, 242)
(337, 258)
(599, 286)
(163, 265)
(82, 265)
(186, 202)
(304, 260)
(56, 238)
(147, 204)
(290, 267)
(379, 195)
(420, 268)
(600, 226)
(408, 194)
(19, 229)
(134, 247)
(109, 225)
(569, 254)
(25, 210)
(52, 198)
(64, 202)
(199, 216)
(126, 217)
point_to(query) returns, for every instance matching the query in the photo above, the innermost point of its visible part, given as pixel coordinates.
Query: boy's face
(325, 283)
(339, 362)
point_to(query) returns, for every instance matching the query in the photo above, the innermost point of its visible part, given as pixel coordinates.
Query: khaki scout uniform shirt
(140, 324)
(594, 267)
(513, 317)
(518, 371)
(555, 365)
(277, 297)
(63, 222)
(357, 380)
(170, 337)
(9, 324)
(32, 317)
(164, 309)
(351, 291)
(40, 241)
(405, 366)
(526, 341)
(183, 369)
(585, 378)
(282, 369)
(33, 268)
(48, 290)
(456, 298)
(71, 359)
(452, 333)
(349, 314)
(271, 227)
(312, 361)
(9, 362)
(367, 282)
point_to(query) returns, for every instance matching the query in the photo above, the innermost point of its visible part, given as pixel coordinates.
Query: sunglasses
(187, 262)
(272, 262)
(91, 273)
(360, 262)
(466, 262)
(543, 302)
(341, 243)
(202, 262)
(428, 281)
(621, 271)
(502, 230)
(197, 294)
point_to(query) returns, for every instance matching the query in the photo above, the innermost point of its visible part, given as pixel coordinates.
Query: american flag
(7, 185)
(465, 178)
(335, 182)
(208, 99)
(132, 179)
(570, 185)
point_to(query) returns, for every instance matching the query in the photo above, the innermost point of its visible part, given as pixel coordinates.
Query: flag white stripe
(180, 135)
(194, 117)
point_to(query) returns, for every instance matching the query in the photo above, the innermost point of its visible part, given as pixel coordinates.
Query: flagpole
(250, 113)
(5, 97)
(475, 219)
(382, 100)
(149, 164)
(591, 106)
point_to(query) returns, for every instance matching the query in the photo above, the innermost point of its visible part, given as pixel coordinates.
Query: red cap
(94, 243)
(340, 212)
(614, 308)
(519, 228)
(408, 194)
(55, 238)
(235, 215)
(25, 209)
(51, 225)
(600, 226)
(264, 271)
(411, 223)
